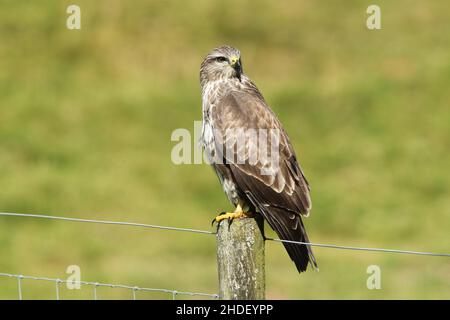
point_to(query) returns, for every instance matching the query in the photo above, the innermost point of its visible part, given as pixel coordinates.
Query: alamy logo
(373, 21)
(74, 278)
(73, 21)
(374, 280)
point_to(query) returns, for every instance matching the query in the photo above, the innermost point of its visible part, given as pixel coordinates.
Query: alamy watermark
(73, 21)
(74, 278)
(374, 280)
(373, 21)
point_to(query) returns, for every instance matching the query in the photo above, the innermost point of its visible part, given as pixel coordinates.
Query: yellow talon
(238, 213)
(229, 215)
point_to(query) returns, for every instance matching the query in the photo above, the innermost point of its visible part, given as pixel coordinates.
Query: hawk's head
(221, 63)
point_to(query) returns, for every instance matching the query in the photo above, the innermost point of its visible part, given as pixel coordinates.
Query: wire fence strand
(122, 223)
(153, 226)
(19, 286)
(95, 285)
(333, 246)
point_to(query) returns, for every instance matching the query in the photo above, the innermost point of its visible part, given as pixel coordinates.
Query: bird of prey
(234, 108)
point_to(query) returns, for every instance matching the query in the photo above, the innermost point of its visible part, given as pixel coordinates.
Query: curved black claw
(230, 221)
(214, 220)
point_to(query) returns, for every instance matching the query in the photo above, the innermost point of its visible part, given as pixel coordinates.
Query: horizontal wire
(332, 246)
(133, 224)
(120, 286)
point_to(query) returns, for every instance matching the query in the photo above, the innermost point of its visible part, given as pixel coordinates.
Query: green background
(86, 119)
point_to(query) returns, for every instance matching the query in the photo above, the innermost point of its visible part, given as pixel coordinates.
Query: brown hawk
(233, 111)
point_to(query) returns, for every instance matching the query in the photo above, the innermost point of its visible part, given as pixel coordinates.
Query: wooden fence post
(240, 257)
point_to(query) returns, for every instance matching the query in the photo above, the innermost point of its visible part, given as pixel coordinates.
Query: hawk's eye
(221, 59)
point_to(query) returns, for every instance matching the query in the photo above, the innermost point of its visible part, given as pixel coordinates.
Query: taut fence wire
(95, 285)
(121, 223)
(152, 226)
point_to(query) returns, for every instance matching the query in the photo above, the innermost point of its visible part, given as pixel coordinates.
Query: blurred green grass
(86, 118)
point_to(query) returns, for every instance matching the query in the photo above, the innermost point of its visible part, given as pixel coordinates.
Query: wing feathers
(279, 191)
(237, 118)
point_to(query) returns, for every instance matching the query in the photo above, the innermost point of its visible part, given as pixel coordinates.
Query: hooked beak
(235, 63)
